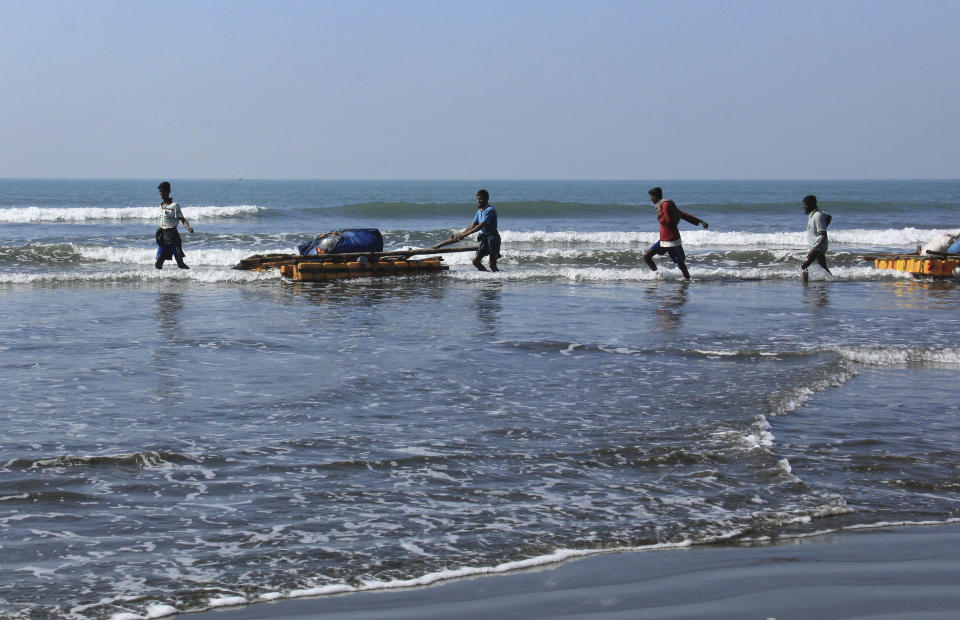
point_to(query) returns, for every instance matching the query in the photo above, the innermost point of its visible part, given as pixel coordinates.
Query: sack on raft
(342, 241)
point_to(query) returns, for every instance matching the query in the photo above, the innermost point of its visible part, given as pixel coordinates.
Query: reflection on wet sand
(670, 305)
(919, 294)
(817, 294)
(169, 304)
(168, 307)
(489, 308)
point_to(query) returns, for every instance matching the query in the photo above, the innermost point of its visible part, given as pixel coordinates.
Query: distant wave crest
(27, 215)
(527, 209)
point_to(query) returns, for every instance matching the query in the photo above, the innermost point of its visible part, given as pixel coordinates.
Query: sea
(180, 440)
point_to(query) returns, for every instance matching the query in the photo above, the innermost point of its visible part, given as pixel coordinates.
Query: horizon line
(490, 179)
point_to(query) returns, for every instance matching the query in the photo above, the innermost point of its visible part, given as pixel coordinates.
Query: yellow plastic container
(934, 267)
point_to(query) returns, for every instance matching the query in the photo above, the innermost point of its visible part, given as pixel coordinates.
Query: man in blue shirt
(488, 241)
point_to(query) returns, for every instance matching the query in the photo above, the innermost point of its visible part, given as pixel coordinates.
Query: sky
(521, 89)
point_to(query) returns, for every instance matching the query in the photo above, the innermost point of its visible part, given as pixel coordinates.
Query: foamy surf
(906, 238)
(147, 255)
(145, 274)
(667, 272)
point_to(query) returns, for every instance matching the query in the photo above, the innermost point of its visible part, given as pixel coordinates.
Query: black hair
(810, 200)
(165, 186)
(657, 192)
(484, 194)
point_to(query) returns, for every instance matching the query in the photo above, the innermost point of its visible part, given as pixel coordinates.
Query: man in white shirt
(817, 222)
(168, 239)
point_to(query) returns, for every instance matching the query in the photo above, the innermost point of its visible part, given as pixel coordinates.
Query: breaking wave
(138, 460)
(901, 356)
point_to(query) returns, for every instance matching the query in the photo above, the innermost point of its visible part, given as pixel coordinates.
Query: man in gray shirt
(817, 222)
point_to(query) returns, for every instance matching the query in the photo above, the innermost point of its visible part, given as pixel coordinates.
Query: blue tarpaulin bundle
(342, 241)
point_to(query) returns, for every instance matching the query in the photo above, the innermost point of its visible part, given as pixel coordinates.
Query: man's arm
(468, 230)
(818, 244)
(815, 249)
(820, 228)
(179, 215)
(693, 219)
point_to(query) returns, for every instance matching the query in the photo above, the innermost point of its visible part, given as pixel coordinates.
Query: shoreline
(880, 572)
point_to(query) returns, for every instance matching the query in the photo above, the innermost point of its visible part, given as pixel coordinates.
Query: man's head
(809, 204)
(656, 195)
(483, 197)
(164, 189)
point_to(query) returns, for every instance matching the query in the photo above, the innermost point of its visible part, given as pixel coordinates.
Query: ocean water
(177, 440)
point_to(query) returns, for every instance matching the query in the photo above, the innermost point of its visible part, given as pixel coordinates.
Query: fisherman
(488, 241)
(669, 217)
(817, 222)
(168, 239)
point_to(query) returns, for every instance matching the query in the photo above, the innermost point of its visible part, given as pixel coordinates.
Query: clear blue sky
(491, 89)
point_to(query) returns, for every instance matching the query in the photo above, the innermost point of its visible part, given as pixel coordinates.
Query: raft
(932, 264)
(319, 268)
(318, 271)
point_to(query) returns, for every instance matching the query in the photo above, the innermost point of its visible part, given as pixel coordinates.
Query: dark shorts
(169, 244)
(488, 245)
(675, 252)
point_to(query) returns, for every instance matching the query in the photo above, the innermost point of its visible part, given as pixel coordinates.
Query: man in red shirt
(669, 216)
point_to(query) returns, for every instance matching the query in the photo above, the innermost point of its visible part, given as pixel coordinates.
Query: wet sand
(896, 572)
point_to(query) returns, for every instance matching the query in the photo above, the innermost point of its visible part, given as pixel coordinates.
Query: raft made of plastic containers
(352, 253)
(939, 258)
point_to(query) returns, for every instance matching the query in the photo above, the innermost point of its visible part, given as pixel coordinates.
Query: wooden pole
(321, 257)
(441, 244)
(875, 256)
(444, 243)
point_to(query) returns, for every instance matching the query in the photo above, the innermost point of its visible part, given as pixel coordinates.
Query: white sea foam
(446, 575)
(226, 601)
(867, 526)
(575, 274)
(760, 437)
(156, 610)
(26, 215)
(783, 465)
(900, 356)
(718, 353)
(147, 255)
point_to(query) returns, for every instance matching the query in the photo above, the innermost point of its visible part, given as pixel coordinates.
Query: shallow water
(173, 440)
